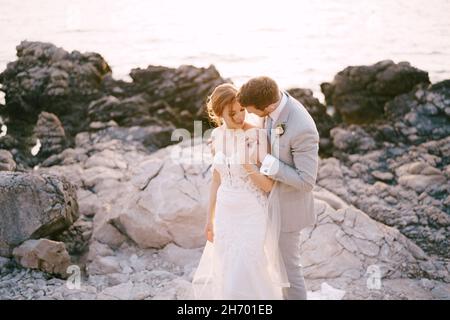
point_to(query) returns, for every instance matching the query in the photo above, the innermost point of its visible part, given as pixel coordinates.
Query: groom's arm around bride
(295, 139)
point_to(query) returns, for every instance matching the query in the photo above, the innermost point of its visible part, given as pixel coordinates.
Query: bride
(241, 258)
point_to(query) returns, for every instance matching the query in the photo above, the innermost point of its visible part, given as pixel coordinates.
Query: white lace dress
(235, 266)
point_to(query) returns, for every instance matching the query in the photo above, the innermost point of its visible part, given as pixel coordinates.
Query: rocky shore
(93, 191)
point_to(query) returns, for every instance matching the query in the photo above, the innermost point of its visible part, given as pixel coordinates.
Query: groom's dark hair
(259, 92)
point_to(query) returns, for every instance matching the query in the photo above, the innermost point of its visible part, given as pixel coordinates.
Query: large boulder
(47, 78)
(166, 203)
(358, 93)
(45, 255)
(34, 206)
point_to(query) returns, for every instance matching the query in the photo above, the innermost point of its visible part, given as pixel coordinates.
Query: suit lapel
(282, 118)
(284, 115)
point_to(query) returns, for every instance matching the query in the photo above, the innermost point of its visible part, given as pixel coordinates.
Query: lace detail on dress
(236, 265)
(227, 162)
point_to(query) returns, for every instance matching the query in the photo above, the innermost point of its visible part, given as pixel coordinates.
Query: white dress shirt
(270, 163)
(275, 114)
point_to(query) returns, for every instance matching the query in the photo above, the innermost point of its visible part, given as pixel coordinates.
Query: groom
(293, 162)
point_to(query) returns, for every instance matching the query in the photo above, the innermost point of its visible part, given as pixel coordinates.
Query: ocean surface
(299, 43)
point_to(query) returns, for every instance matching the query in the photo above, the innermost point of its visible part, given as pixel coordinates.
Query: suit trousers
(289, 243)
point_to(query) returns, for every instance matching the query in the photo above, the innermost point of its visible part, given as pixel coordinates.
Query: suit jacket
(296, 150)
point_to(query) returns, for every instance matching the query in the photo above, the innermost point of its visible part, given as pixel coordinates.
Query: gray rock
(4, 262)
(414, 199)
(34, 206)
(383, 176)
(359, 92)
(45, 255)
(352, 139)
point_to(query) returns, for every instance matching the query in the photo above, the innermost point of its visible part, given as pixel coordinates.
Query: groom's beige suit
(294, 164)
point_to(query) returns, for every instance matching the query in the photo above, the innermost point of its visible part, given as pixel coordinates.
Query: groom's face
(258, 112)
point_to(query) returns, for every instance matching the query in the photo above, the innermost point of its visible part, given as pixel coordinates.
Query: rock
(324, 122)
(342, 255)
(44, 75)
(108, 234)
(119, 292)
(7, 162)
(43, 254)
(76, 237)
(420, 115)
(104, 265)
(175, 198)
(330, 198)
(4, 262)
(412, 200)
(78, 89)
(359, 92)
(97, 249)
(160, 96)
(184, 88)
(345, 245)
(352, 139)
(420, 176)
(180, 256)
(137, 110)
(410, 140)
(418, 167)
(383, 176)
(177, 289)
(166, 189)
(34, 206)
(326, 292)
(47, 78)
(50, 133)
(150, 137)
(421, 182)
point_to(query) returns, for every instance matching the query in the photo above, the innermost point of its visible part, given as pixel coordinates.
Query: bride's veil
(277, 268)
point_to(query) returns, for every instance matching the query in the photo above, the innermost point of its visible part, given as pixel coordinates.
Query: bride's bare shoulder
(216, 130)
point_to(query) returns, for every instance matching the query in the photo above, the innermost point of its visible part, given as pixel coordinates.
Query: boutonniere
(279, 130)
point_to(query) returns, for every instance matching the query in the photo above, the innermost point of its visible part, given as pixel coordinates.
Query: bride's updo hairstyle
(223, 95)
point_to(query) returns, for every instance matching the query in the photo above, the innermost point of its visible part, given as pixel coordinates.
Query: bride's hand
(209, 232)
(249, 167)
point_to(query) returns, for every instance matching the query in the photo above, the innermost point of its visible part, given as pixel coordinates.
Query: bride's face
(234, 116)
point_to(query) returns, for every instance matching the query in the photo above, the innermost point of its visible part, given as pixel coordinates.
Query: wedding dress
(243, 261)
